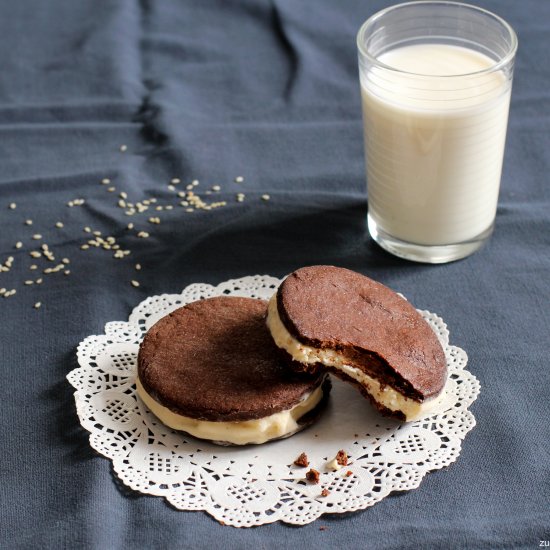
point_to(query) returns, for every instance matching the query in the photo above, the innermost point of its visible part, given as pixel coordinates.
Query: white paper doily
(253, 485)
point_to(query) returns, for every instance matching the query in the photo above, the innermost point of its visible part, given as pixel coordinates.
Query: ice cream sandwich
(212, 370)
(330, 318)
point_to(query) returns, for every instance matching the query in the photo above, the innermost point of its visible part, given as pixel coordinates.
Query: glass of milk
(435, 80)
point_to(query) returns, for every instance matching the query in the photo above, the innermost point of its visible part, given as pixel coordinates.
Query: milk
(434, 144)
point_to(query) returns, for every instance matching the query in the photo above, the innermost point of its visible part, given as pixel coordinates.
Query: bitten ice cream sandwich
(211, 369)
(360, 330)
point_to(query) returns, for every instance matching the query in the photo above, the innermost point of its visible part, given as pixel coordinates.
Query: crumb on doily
(349, 473)
(312, 476)
(325, 493)
(302, 461)
(342, 457)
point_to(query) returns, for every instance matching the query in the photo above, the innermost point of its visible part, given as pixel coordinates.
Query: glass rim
(379, 14)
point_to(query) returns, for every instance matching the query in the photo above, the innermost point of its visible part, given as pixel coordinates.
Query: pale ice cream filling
(244, 432)
(383, 394)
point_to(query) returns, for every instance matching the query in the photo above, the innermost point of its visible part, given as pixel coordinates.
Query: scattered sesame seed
(105, 181)
(66, 272)
(37, 236)
(194, 183)
(184, 203)
(154, 220)
(171, 188)
(33, 267)
(130, 226)
(143, 235)
(134, 283)
(18, 244)
(189, 209)
(2, 291)
(123, 195)
(239, 179)
(175, 181)
(13, 206)
(66, 261)
(29, 282)
(138, 267)
(123, 148)
(39, 281)
(189, 187)
(85, 247)
(181, 194)
(168, 207)
(159, 208)
(240, 197)
(97, 233)
(122, 203)
(28, 222)
(153, 200)
(37, 305)
(265, 197)
(216, 188)
(35, 254)
(111, 189)
(59, 224)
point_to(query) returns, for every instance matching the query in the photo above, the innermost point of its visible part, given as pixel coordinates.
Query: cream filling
(385, 395)
(240, 432)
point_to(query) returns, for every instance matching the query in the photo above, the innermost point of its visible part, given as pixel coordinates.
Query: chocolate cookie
(211, 369)
(334, 318)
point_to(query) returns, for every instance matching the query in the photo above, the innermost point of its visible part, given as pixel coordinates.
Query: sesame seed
(28, 222)
(153, 200)
(13, 206)
(240, 197)
(29, 282)
(130, 226)
(37, 236)
(194, 183)
(105, 181)
(2, 291)
(184, 203)
(18, 244)
(35, 254)
(122, 203)
(265, 197)
(59, 224)
(66, 261)
(85, 247)
(37, 305)
(134, 283)
(87, 230)
(171, 188)
(175, 181)
(154, 220)
(33, 267)
(143, 235)
(111, 189)
(239, 179)
(138, 267)
(39, 281)
(70, 204)
(216, 188)
(97, 233)
(168, 207)
(123, 195)
(189, 210)
(189, 187)
(123, 148)
(66, 272)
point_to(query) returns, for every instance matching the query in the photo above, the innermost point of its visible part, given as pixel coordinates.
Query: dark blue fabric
(211, 90)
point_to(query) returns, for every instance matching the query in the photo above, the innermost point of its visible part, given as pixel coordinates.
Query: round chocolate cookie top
(377, 330)
(215, 360)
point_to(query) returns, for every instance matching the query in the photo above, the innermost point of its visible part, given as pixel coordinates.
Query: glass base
(431, 254)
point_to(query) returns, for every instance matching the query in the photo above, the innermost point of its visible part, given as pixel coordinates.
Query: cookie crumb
(312, 476)
(342, 457)
(302, 461)
(349, 473)
(325, 493)
(323, 528)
